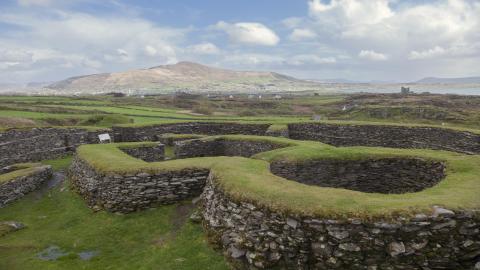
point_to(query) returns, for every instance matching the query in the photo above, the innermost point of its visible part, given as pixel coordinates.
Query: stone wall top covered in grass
(263, 220)
(250, 178)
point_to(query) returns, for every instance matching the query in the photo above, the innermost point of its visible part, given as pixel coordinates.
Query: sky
(361, 40)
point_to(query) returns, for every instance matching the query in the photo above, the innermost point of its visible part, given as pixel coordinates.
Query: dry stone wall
(222, 147)
(254, 237)
(149, 133)
(41, 143)
(387, 136)
(277, 133)
(388, 175)
(132, 192)
(21, 185)
(47, 143)
(146, 153)
(170, 139)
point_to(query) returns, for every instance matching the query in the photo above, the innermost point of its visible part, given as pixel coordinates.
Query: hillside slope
(183, 76)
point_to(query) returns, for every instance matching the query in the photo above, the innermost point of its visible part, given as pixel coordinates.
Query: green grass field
(456, 113)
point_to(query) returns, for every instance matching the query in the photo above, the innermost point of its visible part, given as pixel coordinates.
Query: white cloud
(49, 40)
(122, 52)
(300, 34)
(308, 59)
(165, 53)
(15, 55)
(249, 33)
(372, 55)
(408, 25)
(439, 52)
(150, 50)
(433, 52)
(350, 12)
(84, 43)
(204, 48)
(252, 59)
(400, 31)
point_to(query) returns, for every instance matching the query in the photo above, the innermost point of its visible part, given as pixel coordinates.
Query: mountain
(347, 81)
(337, 80)
(186, 76)
(435, 80)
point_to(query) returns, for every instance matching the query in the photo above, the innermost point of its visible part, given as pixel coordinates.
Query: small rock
(292, 223)
(332, 260)
(274, 256)
(396, 248)
(387, 226)
(259, 264)
(143, 174)
(477, 266)
(10, 226)
(339, 234)
(471, 255)
(195, 217)
(468, 243)
(13, 224)
(236, 252)
(420, 245)
(450, 224)
(349, 247)
(442, 212)
(420, 217)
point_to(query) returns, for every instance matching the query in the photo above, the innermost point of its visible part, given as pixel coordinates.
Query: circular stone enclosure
(385, 175)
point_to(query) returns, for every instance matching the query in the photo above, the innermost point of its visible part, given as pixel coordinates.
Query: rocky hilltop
(183, 76)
